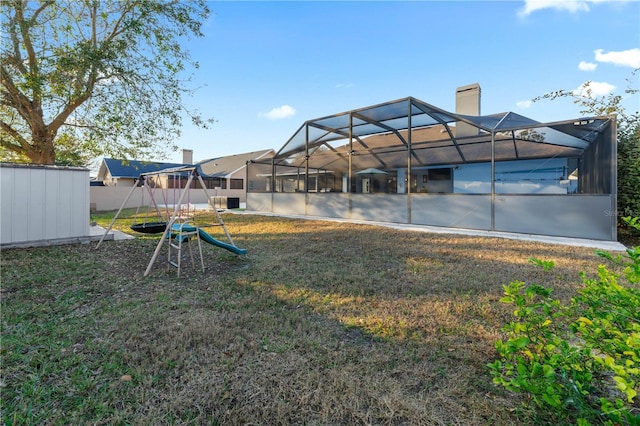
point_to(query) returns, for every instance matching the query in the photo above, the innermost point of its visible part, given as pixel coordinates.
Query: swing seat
(149, 227)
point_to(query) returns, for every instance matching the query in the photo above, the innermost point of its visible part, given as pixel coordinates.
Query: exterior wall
(43, 204)
(289, 203)
(260, 201)
(109, 180)
(579, 216)
(452, 210)
(332, 204)
(576, 216)
(238, 193)
(384, 207)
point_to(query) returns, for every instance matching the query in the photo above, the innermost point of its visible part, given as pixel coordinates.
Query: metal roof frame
(402, 117)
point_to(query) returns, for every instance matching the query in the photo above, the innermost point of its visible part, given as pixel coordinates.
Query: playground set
(176, 224)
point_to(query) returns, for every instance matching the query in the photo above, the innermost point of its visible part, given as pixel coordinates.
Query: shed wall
(43, 204)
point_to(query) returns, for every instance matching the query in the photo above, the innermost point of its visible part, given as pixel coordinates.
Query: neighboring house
(224, 179)
(116, 172)
(227, 175)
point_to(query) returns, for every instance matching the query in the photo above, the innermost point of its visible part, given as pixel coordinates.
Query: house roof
(131, 168)
(213, 167)
(225, 166)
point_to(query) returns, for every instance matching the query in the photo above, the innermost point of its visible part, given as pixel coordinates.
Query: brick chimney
(467, 103)
(187, 156)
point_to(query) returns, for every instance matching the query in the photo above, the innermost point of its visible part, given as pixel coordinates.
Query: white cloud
(625, 58)
(343, 85)
(594, 88)
(587, 66)
(523, 104)
(278, 113)
(572, 6)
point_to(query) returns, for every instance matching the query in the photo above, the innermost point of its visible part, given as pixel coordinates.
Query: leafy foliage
(629, 170)
(628, 133)
(103, 74)
(580, 359)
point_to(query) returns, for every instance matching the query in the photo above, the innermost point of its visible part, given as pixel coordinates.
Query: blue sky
(266, 67)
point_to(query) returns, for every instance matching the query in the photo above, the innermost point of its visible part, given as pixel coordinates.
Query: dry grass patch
(320, 323)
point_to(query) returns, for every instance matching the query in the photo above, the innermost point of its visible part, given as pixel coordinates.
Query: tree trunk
(41, 157)
(42, 150)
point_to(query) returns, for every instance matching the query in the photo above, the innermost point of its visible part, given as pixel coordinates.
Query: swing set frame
(165, 226)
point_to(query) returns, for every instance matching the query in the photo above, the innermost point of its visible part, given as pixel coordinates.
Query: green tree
(81, 78)
(629, 170)
(628, 135)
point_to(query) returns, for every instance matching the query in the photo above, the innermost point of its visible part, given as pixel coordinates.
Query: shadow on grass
(320, 323)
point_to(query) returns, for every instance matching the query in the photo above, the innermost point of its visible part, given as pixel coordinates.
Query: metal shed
(43, 205)
(510, 174)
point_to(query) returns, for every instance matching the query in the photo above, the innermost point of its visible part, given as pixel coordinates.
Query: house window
(213, 182)
(237, 184)
(439, 174)
(439, 180)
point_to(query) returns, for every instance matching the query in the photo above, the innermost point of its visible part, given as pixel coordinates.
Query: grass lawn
(321, 323)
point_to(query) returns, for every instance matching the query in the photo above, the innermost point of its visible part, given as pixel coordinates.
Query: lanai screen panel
(408, 133)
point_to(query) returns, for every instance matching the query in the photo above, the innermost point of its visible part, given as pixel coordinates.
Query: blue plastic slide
(204, 236)
(209, 239)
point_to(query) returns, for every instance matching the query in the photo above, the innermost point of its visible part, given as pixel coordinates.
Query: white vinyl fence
(43, 205)
(106, 198)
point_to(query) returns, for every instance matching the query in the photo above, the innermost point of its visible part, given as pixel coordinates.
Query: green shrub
(579, 362)
(629, 169)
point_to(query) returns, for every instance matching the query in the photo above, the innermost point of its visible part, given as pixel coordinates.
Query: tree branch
(21, 103)
(23, 143)
(28, 45)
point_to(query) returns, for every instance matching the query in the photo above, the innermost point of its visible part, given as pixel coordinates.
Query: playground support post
(133, 188)
(167, 231)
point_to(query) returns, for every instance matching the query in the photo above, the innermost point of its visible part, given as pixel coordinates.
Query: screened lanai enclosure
(406, 161)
